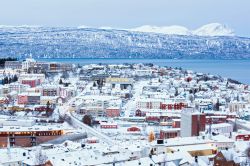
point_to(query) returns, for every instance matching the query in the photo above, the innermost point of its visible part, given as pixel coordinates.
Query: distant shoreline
(149, 59)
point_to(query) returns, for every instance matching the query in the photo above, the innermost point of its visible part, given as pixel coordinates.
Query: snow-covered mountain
(170, 30)
(213, 29)
(215, 42)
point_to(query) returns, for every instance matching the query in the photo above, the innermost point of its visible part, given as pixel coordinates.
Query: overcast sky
(127, 13)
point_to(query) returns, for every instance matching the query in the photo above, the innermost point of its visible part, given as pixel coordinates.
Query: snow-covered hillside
(209, 42)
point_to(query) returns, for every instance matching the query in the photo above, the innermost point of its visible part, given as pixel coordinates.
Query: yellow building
(195, 150)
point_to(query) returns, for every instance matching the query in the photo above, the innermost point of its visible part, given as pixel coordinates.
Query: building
(172, 106)
(156, 103)
(39, 67)
(113, 112)
(242, 135)
(176, 123)
(195, 150)
(134, 129)
(50, 90)
(192, 123)
(105, 125)
(31, 82)
(29, 98)
(4, 100)
(122, 83)
(221, 128)
(29, 62)
(169, 133)
(19, 88)
(51, 99)
(236, 106)
(97, 105)
(13, 65)
(216, 119)
(26, 133)
(59, 67)
(148, 103)
(226, 157)
(65, 92)
(38, 77)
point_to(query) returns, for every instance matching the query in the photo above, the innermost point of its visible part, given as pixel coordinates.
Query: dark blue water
(235, 69)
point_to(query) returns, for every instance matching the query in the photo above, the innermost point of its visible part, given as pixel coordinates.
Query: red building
(133, 129)
(31, 82)
(22, 99)
(175, 106)
(198, 124)
(216, 119)
(176, 123)
(169, 133)
(152, 118)
(160, 117)
(29, 98)
(108, 126)
(92, 140)
(113, 112)
(26, 138)
(192, 123)
(244, 137)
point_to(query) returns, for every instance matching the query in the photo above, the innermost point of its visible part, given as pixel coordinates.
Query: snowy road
(65, 109)
(91, 131)
(130, 107)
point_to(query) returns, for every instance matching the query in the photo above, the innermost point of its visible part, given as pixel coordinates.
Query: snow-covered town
(62, 114)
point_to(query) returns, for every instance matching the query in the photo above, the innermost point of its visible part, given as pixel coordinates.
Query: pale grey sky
(127, 13)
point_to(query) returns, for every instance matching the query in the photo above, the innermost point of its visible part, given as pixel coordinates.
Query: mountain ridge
(212, 29)
(65, 42)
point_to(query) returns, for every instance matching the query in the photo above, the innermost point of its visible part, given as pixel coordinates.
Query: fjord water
(235, 69)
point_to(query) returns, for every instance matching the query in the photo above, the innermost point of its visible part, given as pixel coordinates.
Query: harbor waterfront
(235, 69)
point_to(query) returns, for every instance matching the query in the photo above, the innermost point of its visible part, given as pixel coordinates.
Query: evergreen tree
(15, 78)
(9, 80)
(217, 105)
(98, 82)
(6, 80)
(200, 88)
(87, 119)
(238, 97)
(60, 81)
(47, 108)
(176, 92)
